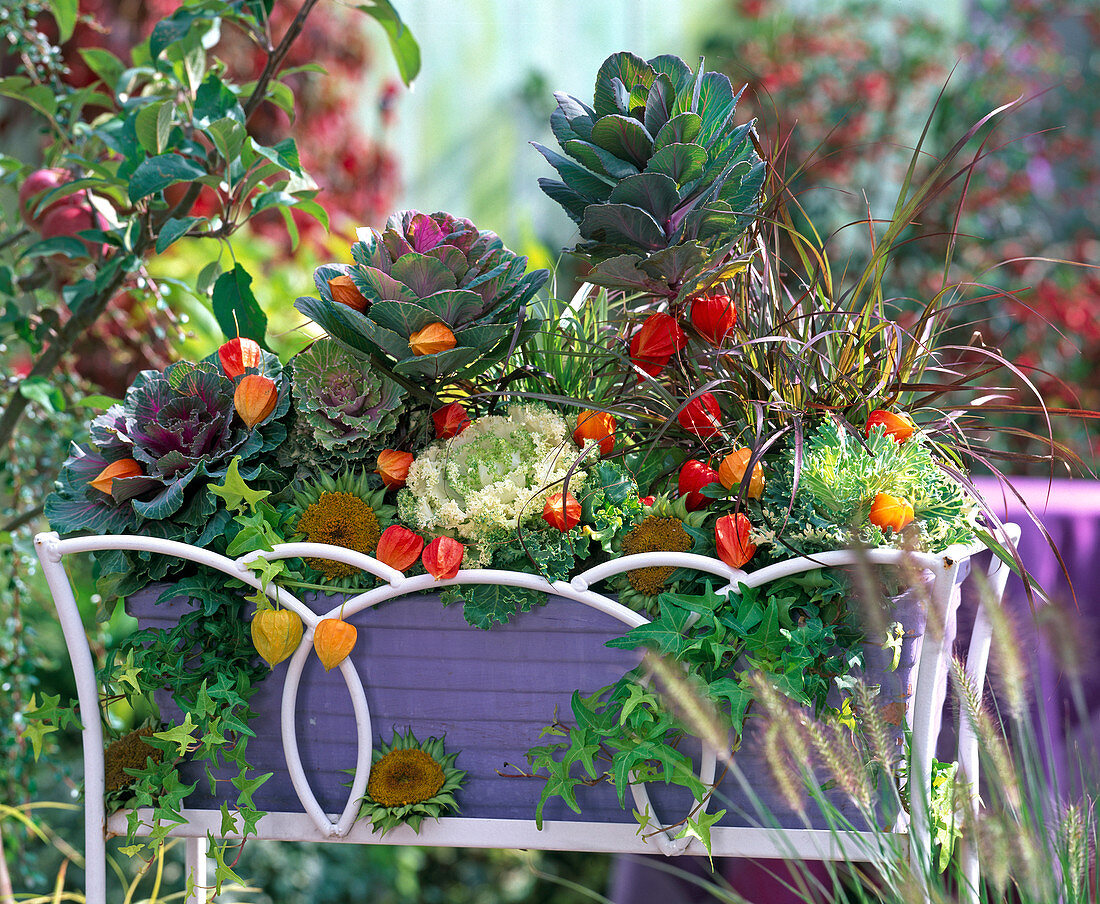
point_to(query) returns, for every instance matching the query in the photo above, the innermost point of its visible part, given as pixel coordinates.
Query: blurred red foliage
(847, 88)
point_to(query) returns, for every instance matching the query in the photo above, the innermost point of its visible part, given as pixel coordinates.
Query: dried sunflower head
(409, 782)
(128, 752)
(342, 511)
(665, 526)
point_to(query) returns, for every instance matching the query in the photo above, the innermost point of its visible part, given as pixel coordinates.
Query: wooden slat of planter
(490, 692)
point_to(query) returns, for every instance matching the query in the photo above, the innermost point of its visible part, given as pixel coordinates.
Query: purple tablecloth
(1069, 510)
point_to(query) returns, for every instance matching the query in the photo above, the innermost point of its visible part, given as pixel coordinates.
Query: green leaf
(313, 209)
(236, 309)
(174, 28)
(98, 402)
(628, 69)
(683, 128)
(214, 100)
(207, 276)
(180, 735)
(152, 125)
(599, 160)
(104, 64)
(624, 137)
(228, 136)
(38, 97)
(64, 14)
(680, 162)
(655, 193)
(64, 245)
(406, 52)
(622, 224)
(157, 173)
(43, 392)
(237, 494)
(588, 184)
(284, 154)
(282, 97)
(174, 229)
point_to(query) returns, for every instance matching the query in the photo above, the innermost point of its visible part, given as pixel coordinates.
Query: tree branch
(22, 518)
(73, 329)
(275, 60)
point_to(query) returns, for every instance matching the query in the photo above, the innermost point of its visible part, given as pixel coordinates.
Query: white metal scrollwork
(946, 570)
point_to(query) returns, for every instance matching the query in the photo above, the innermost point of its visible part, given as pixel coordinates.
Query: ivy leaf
(699, 828)
(665, 634)
(229, 823)
(38, 721)
(250, 816)
(267, 572)
(638, 696)
(559, 784)
(583, 749)
(180, 735)
(736, 697)
(237, 494)
(129, 674)
(249, 786)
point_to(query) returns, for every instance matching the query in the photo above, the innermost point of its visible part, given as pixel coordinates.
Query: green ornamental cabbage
(341, 403)
(419, 272)
(655, 174)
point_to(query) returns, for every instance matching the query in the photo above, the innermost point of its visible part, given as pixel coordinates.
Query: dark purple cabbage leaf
(182, 428)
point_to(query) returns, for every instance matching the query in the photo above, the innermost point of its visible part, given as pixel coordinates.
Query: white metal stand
(947, 571)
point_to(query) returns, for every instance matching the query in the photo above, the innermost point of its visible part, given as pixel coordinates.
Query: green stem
(324, 588)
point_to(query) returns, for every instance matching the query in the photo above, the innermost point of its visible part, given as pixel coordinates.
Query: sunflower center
(404, 777)
(128, 752)
(340, 519)
(655, 534)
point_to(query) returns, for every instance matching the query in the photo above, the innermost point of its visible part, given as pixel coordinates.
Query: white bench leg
(195, 868)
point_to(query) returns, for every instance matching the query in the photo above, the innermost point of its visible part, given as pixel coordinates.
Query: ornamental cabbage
(346, 406)
(491, 479)
(181, 427)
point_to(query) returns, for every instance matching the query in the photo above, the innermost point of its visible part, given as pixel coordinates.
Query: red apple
(71, 219)
(34, 186)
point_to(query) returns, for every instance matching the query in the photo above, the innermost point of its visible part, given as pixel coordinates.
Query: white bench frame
(924, 712)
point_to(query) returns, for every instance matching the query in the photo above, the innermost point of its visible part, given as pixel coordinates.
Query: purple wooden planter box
(491, 693)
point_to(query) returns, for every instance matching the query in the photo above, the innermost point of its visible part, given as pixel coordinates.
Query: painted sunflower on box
(665, 526)
(409, 782)
(346, 510)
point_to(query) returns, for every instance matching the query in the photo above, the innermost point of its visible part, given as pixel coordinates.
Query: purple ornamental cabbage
(181, 427)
